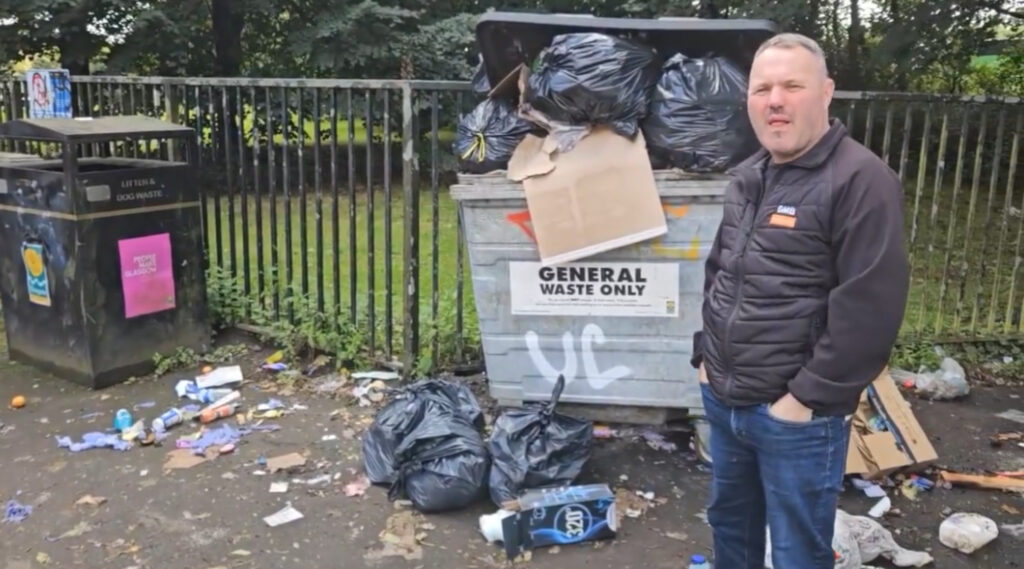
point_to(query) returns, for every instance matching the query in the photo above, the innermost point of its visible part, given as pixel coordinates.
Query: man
(806, 286)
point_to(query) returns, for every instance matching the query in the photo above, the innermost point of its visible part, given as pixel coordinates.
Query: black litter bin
(101, 261)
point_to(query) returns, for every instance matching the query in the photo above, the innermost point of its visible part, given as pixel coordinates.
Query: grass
(329, 267)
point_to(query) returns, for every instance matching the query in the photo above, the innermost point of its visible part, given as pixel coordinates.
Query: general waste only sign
(595, 289)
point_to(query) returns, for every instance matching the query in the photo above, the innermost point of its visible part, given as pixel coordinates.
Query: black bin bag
(426, 444)
(698, 116)
(486, 137)
(442, 464)
(481, 84)
(535, 447)
(592, 78)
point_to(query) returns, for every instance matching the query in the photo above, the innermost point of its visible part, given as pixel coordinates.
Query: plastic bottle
(122, 420)
(170, 418)
(698, 561)
(222, 412)
(210, 395)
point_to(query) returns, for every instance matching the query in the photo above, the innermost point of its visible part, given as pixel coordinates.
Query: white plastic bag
(967, 533)
(858, 540)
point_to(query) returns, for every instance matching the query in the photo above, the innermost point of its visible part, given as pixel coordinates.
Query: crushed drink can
(170, 418)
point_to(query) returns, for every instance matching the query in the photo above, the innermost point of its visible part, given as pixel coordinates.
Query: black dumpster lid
(89, 129)
(506, 39)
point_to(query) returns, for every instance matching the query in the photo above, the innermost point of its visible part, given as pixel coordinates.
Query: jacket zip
(731, 376)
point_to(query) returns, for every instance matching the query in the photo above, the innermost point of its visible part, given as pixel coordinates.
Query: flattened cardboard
(877, 454)
(599, 196)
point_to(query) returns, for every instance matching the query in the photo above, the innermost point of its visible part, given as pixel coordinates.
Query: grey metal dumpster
(625, 363)
(635, 356)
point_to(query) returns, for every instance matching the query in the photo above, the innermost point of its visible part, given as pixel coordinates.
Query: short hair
(791, 40)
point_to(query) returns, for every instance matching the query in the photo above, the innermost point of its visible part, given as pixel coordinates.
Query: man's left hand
(790, 409)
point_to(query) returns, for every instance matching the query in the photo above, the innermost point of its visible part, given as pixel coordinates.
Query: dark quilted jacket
(807, 280)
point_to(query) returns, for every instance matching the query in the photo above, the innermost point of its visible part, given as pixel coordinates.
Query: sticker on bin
(595, 289)
(35, 273)
(147, 274)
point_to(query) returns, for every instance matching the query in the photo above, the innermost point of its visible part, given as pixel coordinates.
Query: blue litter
(226, 434)
(15, 512)
(270, 405)
(144, 405)
(94, 440)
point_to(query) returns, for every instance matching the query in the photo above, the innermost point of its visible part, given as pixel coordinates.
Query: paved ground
(211, 515)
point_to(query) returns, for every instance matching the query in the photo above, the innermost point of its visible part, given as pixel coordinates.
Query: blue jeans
(768, 471)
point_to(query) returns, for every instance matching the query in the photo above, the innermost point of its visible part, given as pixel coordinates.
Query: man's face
(788, 101)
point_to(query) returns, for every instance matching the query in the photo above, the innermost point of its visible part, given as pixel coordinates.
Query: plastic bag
(593, 78)
(407, 410)
(858, 540)
(481, 84)
(486, 137)
(967, 533)
(698, 116)
(534, 446)
(948, 382)
(443, 463)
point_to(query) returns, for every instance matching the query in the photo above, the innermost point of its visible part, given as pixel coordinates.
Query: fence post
(411, 246)
(170, 97)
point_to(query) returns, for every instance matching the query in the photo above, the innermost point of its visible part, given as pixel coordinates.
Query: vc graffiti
(595, 378)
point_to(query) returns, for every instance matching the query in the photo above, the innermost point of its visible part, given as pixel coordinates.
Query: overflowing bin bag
(534, 447)
(481, 84)
(426, 444)
(486, 137)
(594, 78)
(698, 116)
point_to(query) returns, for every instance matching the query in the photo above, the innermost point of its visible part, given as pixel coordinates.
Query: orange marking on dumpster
(689, 253)
(521, 219)
(676, 211)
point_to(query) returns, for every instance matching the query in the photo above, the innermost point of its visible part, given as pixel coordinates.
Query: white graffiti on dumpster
(592, 333)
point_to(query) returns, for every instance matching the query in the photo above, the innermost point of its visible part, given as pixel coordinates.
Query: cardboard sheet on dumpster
(886, 436)
(596, 197)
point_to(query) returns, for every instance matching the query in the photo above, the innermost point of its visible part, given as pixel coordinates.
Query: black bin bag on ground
(593, 78)
(426, 444)
(486, 137)
(698, 116)
(443, 464)
(535, 447)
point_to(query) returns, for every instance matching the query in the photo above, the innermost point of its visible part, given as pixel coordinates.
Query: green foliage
(892, 45)
(444, 330)
(915, 357)
(226, 302)
(182, 358)
(303, 330)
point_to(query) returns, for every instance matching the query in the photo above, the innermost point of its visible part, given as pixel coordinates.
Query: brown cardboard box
(598, 196)
(904, 447)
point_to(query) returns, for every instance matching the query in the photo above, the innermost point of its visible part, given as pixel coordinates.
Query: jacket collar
(750, 170)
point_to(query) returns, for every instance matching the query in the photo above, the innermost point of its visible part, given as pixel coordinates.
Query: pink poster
(147, 274)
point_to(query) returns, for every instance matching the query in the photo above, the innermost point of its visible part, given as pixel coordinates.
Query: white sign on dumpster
(595, 289)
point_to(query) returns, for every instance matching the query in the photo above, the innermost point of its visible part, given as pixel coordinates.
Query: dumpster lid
(90, 129)
(507, 39)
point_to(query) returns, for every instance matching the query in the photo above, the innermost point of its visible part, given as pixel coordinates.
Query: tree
(76, 29)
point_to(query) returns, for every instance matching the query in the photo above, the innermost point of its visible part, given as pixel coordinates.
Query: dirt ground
(211, 515)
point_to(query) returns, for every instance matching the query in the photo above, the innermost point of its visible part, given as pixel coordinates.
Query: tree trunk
(227, 24)
(899, 80)
(854, 71)
(708, 9)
